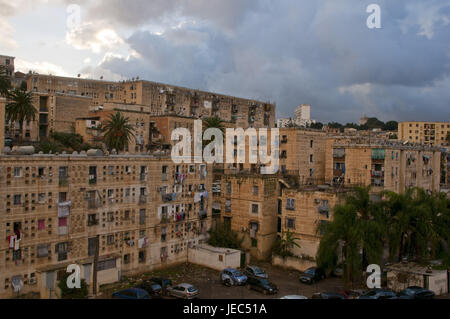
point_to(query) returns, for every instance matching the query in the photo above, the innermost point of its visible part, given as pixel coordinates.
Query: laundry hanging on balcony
(64, 208)
(143, 242)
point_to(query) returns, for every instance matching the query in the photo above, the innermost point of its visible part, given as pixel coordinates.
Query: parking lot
(207, 282)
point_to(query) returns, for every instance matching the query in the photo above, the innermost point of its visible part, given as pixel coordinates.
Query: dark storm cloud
(293, 52)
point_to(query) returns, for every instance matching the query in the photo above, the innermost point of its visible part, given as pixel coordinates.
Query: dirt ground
(208, 283)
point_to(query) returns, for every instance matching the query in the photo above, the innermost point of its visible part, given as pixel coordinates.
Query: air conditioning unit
(32, 281)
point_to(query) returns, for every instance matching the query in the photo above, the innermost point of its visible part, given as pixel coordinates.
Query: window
(126, 259)
(311, 158)
(17, 171)
(142, 217)
(290, 223)
(41, 224)
(191, 169)
(290, 204)
(41, 171)
(62, 197)
(61, 249)
(110, 217)
(311, 143)
(17, 199)
(255, 208)
(92, 220)
(228, 187)
(255, 190)
(42, 250)
(110, 240)
(142, 256)
(106, 264)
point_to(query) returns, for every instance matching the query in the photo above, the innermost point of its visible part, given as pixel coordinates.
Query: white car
(294, 297)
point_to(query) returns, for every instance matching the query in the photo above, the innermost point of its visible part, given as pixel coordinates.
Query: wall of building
(215, 258)
(119, 204)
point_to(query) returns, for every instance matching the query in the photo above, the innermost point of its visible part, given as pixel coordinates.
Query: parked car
(338, 271)
(163, 282)
(232, 277)
(255, 271)
(312, 275)
(131, 293)
(153, 289)
(353, 294)
(184, 291)
(379, 293)
(262, 285)
(415, 292)
(328, 295)
(293, 297)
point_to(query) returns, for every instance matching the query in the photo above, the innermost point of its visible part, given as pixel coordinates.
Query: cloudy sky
(291, 52)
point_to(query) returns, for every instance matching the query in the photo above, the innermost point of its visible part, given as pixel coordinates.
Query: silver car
(184, 291)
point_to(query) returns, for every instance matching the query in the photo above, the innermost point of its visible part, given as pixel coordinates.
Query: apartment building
(2, 122)
(162, 99)
(302, 154)
(128, 214)
(302, 210)
(382, 165)
(248, 205)
(8, 63)
(55, 112)
(428, 133)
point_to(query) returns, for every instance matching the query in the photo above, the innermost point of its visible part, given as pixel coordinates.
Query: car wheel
(227, 282)
(265, 292)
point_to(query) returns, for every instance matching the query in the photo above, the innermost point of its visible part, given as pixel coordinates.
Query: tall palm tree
(358, 229)
(5, 82)
(20, 108)
(117, 132)
(283, 245)
(212, 122)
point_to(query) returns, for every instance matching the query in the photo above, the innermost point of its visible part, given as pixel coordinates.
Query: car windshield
(192, 289)
(156, 287)
(265, 282)
(236, 273)
(310, 271)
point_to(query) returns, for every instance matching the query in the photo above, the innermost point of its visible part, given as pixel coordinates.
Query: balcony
(143, 199)
(93, 222)
(63, 181)
(94, 203)
(143, 177)
(378, 174)
(92, 179)
(166, 198)
(202, 214)
(165, 219)
(164, 177)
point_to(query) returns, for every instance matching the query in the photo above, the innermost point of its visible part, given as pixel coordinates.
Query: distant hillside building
(8, 63)
(284, 122)
(363, 120)
(302, 115)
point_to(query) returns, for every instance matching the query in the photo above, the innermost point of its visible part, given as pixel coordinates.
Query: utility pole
(94, 275)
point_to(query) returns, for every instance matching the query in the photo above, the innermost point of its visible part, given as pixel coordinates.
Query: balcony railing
(143, 199)
(94, 203)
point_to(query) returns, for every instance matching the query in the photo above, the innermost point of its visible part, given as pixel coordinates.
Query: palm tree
(358, 229)
(117, 132)
(212, 122)
(282, 246)
(5, 82)
(20, 108)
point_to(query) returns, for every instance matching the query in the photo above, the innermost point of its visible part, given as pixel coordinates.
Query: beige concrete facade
(249, 207)
(427, 133)
(54, 113)
(8, 63)
(162, 99)
(388, 166)
(303, 210)
(2, 122)
(145, 212)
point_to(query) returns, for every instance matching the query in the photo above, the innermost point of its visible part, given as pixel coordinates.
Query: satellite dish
(79, 75)
(101, 78)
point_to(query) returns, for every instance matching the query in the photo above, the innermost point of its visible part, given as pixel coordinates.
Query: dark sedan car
(415, 292)
(153, 289)
(312, 275)
(379, 294)
(255, 271)
(131, 293)
(262, 285)
(328, 295)
(163, 282)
